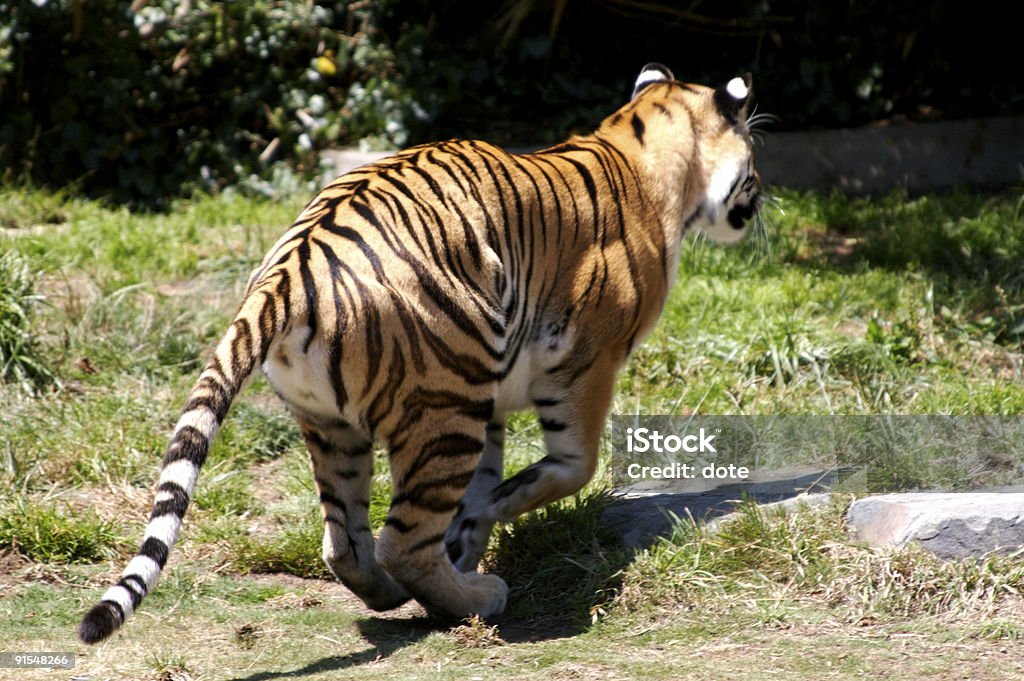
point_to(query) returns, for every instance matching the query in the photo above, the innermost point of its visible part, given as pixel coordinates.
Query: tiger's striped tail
(239, 352)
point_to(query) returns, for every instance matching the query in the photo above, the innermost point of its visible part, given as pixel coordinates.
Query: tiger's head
(695, 144)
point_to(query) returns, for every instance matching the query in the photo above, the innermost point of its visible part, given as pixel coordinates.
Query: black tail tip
(100, 622)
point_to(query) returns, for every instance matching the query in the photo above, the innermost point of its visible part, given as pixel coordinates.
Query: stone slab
(641, 517)
(918, 157)
(949, 525)
(987, 152)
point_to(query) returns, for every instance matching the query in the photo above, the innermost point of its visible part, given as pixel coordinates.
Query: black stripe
(552, 426)
(414, 494)
(335, 374)
(383, 402)
(638, 128)
(448, 446)
(156, 550)
(523, 477)
(218, 399)
(315, 439)
(189, 444)
(400, 526)
(242, 358)
(267, 324)
(309, 288)
(177, 504)
(433, 504)
(425, 543)
(327, 498)
(136, 594)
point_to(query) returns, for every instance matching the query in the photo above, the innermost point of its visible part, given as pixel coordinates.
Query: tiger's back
(417, 301)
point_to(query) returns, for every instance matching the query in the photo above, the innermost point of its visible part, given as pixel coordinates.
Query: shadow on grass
(561, 563)
(386, 636)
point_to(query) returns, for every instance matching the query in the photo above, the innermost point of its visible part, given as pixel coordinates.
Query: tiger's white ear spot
(652, 73)
(737, 88)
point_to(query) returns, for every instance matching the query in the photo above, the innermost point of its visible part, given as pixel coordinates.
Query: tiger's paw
(384, 599)
(492, 593)
(378, 591)
(483, 595)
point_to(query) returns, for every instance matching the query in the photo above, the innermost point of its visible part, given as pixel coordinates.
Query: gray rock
(949, 525)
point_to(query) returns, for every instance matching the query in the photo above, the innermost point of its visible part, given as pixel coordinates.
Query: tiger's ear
(732, 97)
(652, 73)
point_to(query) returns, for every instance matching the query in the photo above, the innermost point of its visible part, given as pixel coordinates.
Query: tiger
(419, 300)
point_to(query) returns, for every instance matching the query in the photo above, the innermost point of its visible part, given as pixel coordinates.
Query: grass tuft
(21, 360)
(46, 535)
(296, 550)
(805, 556)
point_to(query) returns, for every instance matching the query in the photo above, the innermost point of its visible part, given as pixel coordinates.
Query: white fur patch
(164, 528)
(200, 418)
(721, 182)
(121, 596)
(649, 76)
(182, 472)
(514, 389)
(144, 567)
(737, 88)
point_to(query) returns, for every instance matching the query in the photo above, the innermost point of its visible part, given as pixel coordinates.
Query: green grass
(42, 533)
(295, 549)
(778, 558)
(887, 306)
(560, 562)
(907, 306)
(21, 361)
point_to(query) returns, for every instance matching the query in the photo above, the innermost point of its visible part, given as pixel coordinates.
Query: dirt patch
(11, 563)
(835, 249)
(266, 482)
(1005, 365)
(117, 502)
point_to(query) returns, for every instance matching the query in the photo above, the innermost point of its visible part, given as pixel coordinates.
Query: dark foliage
(144, 100)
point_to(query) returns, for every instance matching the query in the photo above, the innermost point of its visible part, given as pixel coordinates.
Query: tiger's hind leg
(467, 537)
(342, 461)
(432, 462)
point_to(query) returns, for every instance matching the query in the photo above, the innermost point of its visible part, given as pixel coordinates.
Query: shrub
(139, 101)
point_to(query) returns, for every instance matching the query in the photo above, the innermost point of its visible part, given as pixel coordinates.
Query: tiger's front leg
(572, 414)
